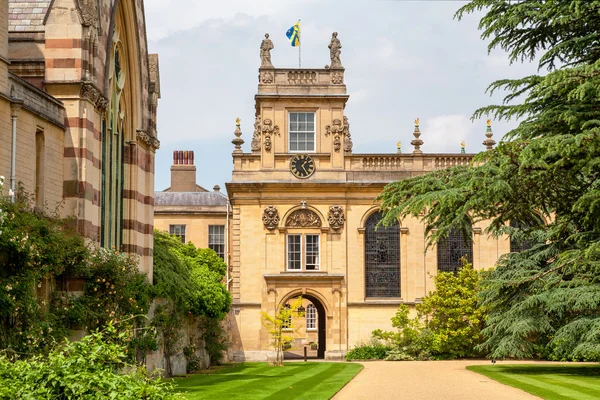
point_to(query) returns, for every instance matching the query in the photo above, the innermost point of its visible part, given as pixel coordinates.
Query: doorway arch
(321, 325)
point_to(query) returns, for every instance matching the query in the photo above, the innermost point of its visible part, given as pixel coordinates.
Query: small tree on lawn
(452, 313)
(280, 327)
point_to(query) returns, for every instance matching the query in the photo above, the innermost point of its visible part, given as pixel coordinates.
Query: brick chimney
(183, 172)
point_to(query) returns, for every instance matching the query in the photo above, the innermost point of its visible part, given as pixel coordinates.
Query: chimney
(183, 172)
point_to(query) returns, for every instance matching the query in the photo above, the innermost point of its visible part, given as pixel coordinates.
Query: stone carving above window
(303, 218)
(336, 217)
(268, 130)
(270, 217)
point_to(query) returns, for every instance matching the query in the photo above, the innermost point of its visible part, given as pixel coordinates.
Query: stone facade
(90, 90)
(273, 205)
(189, 205)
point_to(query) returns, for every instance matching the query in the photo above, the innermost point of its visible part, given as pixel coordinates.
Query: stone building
(303, 219)
(188, 210)
(81, 91)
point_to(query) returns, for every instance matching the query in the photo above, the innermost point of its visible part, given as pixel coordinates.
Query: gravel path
(426, 380)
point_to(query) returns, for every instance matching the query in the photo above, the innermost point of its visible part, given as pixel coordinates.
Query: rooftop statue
(334, 51)
(265, 52)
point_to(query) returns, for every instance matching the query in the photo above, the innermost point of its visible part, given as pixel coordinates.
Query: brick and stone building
(77, 80)
(304, 221)
(189, 211)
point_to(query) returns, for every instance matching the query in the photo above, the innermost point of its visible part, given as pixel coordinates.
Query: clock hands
(303, 164)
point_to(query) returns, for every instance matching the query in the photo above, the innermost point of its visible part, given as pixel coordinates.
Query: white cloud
(443, 133)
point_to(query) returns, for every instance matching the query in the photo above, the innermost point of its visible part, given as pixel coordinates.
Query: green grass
(550, 382)
(296, 380)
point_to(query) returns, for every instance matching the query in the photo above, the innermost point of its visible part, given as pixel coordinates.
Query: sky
(402, 60)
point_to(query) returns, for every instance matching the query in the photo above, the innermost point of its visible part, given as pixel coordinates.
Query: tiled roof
(27, 15)
(206, 199)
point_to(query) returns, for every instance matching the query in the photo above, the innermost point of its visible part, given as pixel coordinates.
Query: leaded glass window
(382, 258)
(516, 244)
(113, 142)
(451, 250)
(302, 131)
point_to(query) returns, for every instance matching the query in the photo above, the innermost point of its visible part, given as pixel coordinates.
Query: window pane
(216, 239)
(452, 250)
(382, 258)
(302, 132)
(178, 230)
(312, 252)
(294, 252)
(311, 317)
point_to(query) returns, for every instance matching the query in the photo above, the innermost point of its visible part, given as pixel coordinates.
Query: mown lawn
(550, 382)
(296, 380)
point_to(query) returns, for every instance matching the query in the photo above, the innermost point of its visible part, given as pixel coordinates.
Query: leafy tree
(448, 324)
(280, 327)
(544, 301)
(452, 314)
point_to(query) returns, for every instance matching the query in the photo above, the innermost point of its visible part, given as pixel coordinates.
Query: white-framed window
(303, 251)
(311, 317)
(301, 132)
(216, 239)
(178, 230)
(287, 324)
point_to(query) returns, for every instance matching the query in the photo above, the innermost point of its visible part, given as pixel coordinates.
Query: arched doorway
(314, 316)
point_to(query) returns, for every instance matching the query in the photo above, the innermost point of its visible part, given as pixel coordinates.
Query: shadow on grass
(569, 370)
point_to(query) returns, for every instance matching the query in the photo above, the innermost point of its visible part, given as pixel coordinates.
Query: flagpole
(299, 47)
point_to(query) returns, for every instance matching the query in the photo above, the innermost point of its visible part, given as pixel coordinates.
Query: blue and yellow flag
(294, 34)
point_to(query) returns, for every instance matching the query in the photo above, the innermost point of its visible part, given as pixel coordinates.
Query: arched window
(113, 169)
(518, 245)
(451, 250)
(382, 258)
(311, 317)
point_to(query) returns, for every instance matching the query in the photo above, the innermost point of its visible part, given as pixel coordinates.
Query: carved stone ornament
(150, 140)
(337, 78)
(255, 144)
(303, 218)
(270, 217)
(268, 130)
(336, 217)
(91, 93)
(334, 51)
(266, 77)
(265, 52)
(89, 12)
(347, 138)
(337, 130)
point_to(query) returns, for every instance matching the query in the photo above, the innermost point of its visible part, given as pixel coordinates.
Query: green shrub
(88, 369)
(373, 351)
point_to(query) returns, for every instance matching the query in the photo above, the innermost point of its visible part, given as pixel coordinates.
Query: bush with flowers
(39, 254)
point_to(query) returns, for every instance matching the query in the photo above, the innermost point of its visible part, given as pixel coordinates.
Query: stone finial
(334, 51)
(399, 147)
(417, 142)
(237, 141)
(462, 147)
(265, 52)
(489, 142)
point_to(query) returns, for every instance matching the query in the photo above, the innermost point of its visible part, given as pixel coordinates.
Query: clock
(302, 166)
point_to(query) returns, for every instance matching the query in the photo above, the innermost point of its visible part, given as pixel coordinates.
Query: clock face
(302, 166)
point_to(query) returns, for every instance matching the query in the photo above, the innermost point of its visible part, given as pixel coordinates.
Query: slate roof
(205, 199)
(27, 15)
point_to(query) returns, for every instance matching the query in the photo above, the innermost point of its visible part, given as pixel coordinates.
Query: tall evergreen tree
(544, 301)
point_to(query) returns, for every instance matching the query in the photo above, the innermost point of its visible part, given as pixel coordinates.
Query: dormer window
(302, 132)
